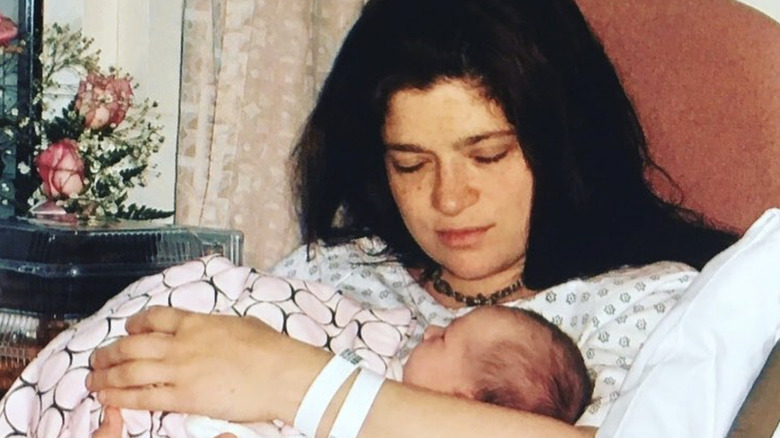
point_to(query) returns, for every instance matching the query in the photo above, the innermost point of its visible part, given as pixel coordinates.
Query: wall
(143, 37)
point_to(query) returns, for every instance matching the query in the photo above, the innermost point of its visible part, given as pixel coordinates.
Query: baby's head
(505, 356)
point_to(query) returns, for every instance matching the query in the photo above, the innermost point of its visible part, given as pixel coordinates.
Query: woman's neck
(486, 286)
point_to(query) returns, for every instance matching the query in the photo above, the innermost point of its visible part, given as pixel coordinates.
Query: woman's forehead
(452, 108)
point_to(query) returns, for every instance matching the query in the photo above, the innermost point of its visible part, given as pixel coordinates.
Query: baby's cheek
(412, 368)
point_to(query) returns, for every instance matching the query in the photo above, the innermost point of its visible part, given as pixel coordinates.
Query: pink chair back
(704, 76)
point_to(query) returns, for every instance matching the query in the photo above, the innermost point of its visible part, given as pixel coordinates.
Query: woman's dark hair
(592, 207)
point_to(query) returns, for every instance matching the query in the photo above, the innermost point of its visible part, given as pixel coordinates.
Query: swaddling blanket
(50, 398)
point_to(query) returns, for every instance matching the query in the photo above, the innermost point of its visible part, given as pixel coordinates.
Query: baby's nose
(433, 332)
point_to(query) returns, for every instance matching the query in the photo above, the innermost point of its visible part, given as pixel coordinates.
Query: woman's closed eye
(402, 167)
(406, 163)
(491, 158)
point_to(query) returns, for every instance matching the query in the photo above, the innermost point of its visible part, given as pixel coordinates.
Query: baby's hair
(540, 371)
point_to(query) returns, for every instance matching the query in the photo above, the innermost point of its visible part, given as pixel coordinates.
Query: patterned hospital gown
(609, 316)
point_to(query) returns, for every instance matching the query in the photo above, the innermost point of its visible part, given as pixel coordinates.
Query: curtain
(251, 70)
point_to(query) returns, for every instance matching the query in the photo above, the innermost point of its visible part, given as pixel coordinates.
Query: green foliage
(140, 212)
(69, 124)
(132, 173)
(112, 158)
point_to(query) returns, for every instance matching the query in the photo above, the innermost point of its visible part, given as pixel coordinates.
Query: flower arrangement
(8, 31)
(95, 139)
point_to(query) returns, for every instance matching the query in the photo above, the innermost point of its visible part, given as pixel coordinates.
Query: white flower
(24, 168)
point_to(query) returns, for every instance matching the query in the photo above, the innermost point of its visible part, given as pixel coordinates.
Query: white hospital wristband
(322, 390)
(355, 409)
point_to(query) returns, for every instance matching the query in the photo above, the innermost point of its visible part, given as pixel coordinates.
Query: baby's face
(442, 361)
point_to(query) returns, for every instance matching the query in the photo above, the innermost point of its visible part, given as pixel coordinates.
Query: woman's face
(460, 181)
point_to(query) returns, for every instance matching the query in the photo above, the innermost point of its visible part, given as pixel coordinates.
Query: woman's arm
(403, 411)
(239, 369)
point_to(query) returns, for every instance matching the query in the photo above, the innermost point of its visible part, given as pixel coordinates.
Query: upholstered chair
(704, 76)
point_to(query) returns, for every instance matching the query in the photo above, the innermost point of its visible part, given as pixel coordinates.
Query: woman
(462, 152)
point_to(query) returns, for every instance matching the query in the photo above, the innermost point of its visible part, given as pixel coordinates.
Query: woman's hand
(226, 367)
(111, 427)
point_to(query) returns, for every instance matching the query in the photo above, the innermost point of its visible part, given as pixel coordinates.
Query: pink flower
(61, 169)
(104, 100)
(8, 30)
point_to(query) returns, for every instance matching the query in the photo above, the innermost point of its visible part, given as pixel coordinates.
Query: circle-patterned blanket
(50, 399)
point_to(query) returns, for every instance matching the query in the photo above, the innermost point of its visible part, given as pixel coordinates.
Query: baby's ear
(467, 395)
(474, 393)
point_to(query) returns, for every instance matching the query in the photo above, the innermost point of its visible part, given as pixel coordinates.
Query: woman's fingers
(111, 426)
(148, 346)
(158, 320)
(131, 361)
(163, 398)
(133, 374)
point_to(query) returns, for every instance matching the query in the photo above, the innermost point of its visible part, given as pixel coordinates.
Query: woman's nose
(453, 191)
(433, 332)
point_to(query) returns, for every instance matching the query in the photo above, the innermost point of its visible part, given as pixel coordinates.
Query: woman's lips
(461, 237)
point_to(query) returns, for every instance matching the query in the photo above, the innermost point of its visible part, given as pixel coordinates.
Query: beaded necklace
(444, 288)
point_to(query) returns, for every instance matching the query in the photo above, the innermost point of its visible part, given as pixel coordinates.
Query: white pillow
(695, 370)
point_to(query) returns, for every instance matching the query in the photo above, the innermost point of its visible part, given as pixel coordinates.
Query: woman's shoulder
(658, 271)
(612, 296)
(360, 268)
(640, 281)
(630, 287)
(307, 259)
(628, 284)
(583, 307)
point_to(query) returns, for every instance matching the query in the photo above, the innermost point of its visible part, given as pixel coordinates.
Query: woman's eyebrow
(474, 139)
(404, 147)
(460, 144)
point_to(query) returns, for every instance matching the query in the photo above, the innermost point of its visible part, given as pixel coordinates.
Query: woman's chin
(467, 268)
(468, 271)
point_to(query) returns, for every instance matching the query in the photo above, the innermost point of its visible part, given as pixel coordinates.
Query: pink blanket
(50, 399)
